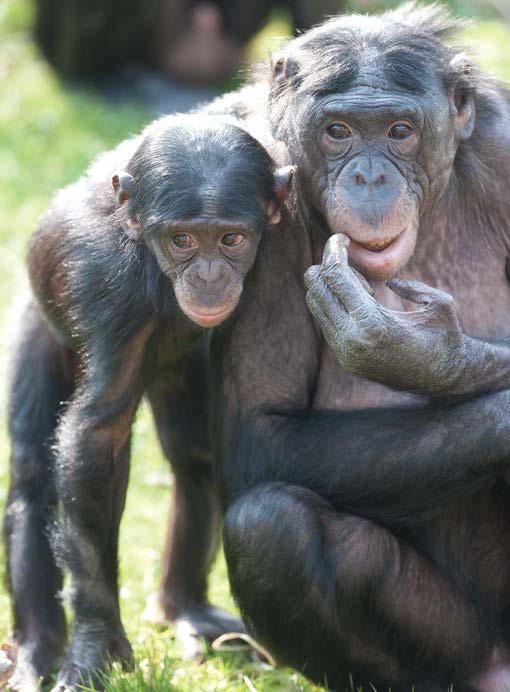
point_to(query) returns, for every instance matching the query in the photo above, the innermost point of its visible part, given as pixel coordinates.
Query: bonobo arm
(383, 463)
(424, 351)
(91, 473)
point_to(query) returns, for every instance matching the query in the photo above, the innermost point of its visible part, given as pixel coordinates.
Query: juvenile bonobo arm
(424, 351)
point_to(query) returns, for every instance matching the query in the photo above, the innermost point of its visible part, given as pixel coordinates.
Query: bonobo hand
(420, 351)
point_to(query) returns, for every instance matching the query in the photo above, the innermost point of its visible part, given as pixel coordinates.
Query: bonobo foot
(89, 654)
(34, 664)
(198, 621)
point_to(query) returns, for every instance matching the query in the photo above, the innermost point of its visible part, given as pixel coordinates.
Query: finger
(368, 288)
(329, 312)
(331, 332)
(335, 250)
(340, 278)
(347, 288)
(311, 275)
(418, 292)
(315, 308)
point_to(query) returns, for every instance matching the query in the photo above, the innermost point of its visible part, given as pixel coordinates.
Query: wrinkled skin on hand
(421, 350)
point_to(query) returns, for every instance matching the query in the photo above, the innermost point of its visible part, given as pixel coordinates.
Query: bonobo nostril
(368, 179)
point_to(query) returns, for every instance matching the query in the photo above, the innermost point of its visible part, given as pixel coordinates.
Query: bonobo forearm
(388, 464)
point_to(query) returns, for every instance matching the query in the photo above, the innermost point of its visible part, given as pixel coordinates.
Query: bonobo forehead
(209, 225)
(398, 51)
(370, 104)
(192, 165)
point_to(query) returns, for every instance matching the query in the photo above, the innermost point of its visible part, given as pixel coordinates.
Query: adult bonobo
(368, 520)
(170, 219)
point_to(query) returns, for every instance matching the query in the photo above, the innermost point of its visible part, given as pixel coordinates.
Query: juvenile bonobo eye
(400, 130)
(232, 239)
(339, 131)
(184, 241)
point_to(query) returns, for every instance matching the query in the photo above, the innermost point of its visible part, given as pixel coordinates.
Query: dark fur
(102, 328)
(367, 529)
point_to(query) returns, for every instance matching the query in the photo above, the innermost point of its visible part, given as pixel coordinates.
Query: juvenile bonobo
(367, 520)
(151, 244)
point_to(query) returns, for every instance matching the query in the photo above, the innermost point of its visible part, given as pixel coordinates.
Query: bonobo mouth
(208, 318)
(380, 258)
(378, 244)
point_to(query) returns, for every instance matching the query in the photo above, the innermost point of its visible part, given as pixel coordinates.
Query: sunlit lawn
(48, 133)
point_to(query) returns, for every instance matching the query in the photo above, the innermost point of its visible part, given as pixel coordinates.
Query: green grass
(48, 134)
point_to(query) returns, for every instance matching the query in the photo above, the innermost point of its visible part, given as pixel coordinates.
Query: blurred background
(76, 77)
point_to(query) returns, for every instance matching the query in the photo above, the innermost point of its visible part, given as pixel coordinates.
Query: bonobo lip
(208, 318)
(378, 244)
(381, 259)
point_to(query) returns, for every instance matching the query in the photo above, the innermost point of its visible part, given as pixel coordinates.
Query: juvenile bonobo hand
(420, 351)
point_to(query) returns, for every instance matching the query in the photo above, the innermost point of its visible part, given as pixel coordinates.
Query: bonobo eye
(232, 239)
(400, 130)
(184, 241)
(339, 131)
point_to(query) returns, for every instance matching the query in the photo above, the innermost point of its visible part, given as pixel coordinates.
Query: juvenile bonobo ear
(461, 67)
(124, 185)
(282, 182)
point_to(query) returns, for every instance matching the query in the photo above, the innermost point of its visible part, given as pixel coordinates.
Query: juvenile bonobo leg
(41, 380)
(180, 406)
(92, 475)
(333, 594)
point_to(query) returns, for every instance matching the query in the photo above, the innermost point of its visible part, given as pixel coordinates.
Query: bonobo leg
(334, 594)
(179, 401)
(92, 475)
(41, 380)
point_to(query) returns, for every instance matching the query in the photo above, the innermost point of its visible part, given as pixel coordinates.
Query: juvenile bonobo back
(167, 223)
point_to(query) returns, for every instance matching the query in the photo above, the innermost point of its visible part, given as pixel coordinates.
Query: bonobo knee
(266, 529)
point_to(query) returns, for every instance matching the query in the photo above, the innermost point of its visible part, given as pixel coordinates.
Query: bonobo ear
(282, 68)
(124, 185)
(282, 182)
(461, 68)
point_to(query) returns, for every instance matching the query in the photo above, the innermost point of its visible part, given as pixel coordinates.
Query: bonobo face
(378, 161)
(199, 194)
(374, 149)
(207, 260)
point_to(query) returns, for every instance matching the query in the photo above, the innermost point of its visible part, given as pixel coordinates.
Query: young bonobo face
(200, 196)
(207, 260)
(374, 133)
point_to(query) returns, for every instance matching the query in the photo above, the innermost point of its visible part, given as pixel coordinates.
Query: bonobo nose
(209, 272)
(370, 187)
(208, 275)
(369, 173)
(369, 179)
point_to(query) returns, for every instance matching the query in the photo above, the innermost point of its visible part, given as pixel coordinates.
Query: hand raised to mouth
(413, 351)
